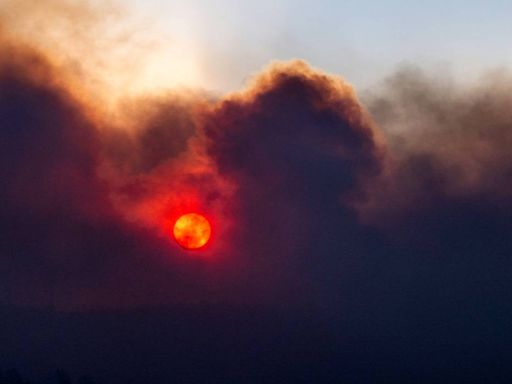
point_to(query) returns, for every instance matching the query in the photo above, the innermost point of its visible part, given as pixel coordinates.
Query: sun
(192, 231)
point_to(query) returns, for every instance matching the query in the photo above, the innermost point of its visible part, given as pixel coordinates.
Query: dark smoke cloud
(296, 144)
(443, 202)
(90, 201)
(311, 200)
(449, 142)
(64, 241)
(391, 221)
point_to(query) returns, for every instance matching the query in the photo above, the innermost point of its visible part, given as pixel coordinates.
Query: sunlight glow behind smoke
(112, 53)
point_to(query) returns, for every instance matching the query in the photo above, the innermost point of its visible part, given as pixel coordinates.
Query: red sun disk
(192, 231)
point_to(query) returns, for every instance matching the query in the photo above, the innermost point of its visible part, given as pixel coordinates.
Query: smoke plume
(314, 198)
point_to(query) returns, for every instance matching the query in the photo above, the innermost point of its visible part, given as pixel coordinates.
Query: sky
(360, 40)
(356, 176)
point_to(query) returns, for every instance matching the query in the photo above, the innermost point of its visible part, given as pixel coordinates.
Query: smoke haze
(390, 216)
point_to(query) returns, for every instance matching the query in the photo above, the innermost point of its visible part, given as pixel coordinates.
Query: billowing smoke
(90, 196)
(58, 222)
(449, 142)
(297, 145)
(313, 198)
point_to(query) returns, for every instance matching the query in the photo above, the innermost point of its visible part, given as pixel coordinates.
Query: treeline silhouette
(13, 376)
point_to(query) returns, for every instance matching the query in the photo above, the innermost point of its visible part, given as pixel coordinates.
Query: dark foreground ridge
(206, 344)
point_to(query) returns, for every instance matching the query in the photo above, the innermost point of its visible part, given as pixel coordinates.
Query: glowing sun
(192, 231)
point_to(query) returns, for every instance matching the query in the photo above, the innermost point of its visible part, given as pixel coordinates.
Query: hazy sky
(361, 40)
